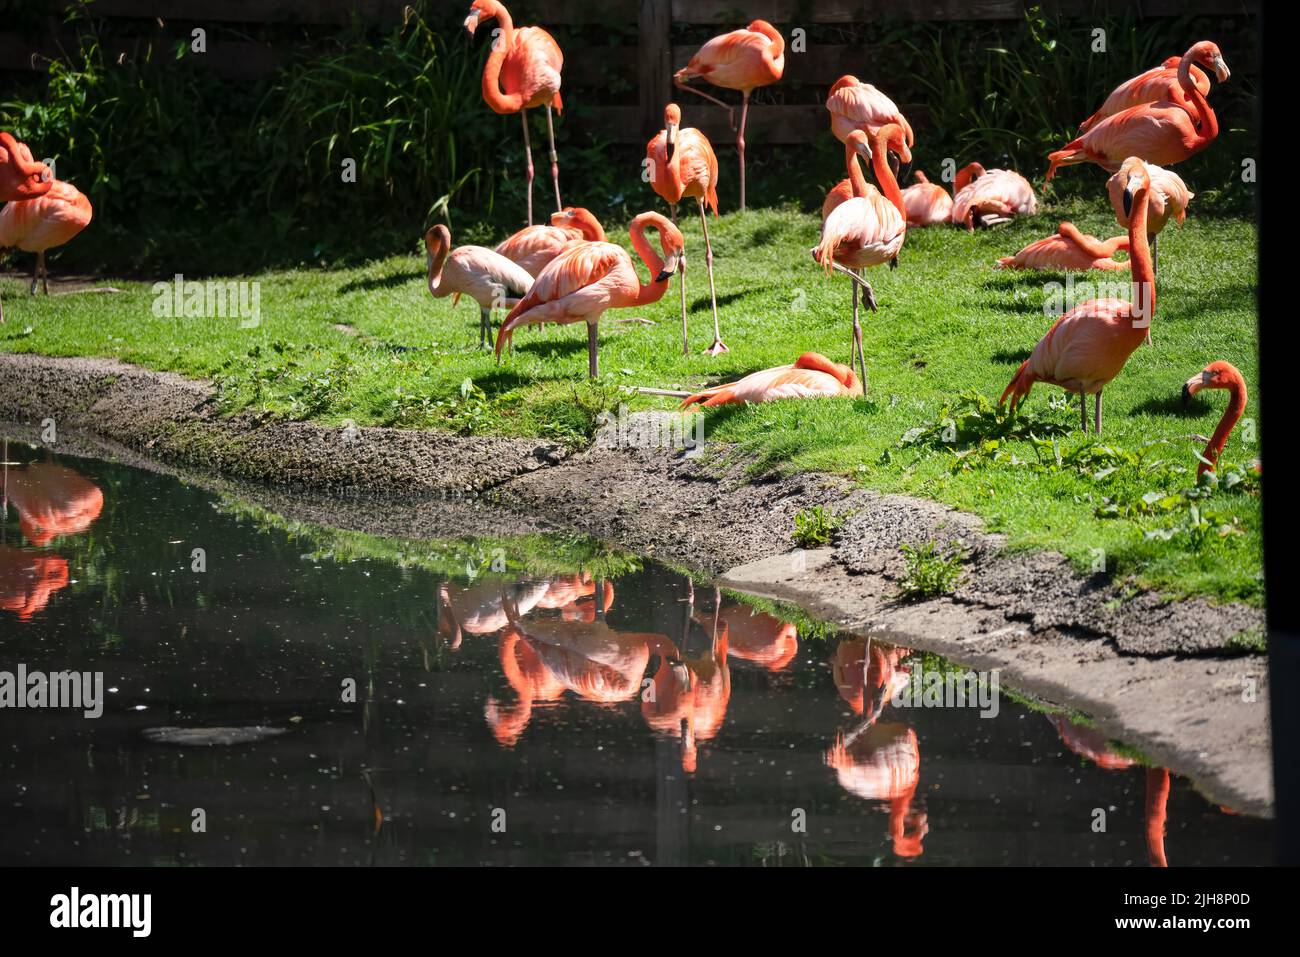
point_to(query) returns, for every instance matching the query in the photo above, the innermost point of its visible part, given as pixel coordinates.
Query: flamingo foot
(718, 347)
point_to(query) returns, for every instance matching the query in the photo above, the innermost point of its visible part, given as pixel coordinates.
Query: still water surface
(516, 702)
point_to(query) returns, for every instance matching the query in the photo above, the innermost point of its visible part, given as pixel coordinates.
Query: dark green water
(500, 717)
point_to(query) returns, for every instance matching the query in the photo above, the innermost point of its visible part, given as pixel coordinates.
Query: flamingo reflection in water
(52, 500)
(28, 580)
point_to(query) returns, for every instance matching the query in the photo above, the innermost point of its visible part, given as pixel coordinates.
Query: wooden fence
(646, 65)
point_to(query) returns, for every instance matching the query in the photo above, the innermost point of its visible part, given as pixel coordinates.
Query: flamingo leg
(45, 273)
(740, 145)
(1083, 412)
(484, 326)
(731, 110)
(857, 354)
(593, 351)
(718, 345)
(555, 159)
(1096, 417)
(36, 274)
(528, 156)
(2, 312)
(681, 271)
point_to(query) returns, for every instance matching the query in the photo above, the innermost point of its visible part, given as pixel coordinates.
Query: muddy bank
(1152, 672)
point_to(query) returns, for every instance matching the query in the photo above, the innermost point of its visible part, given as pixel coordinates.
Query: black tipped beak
(672, 148)
(904, 171)
(664, 276)
(1128, 202)
(1187, 395)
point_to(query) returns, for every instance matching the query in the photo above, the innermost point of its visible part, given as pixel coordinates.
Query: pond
(279, 693)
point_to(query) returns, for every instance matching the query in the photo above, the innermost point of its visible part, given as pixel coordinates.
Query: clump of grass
(1252, 639)
(930, 573)
(816, 526)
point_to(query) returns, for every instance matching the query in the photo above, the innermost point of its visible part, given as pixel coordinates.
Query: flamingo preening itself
(21, 177)
(927, 203)
(855, 105)
(1164, 132)
(868, 228)
(36, 225)
(987, 197)
(740, 60)
(535, 246)
(810, 376)
(1088, 346)
(1169, 198)
(522, 72)
(1218, 375)
(682, 163)
(1069, 249)
(588, 278)
(487, 277)
(1159, 84)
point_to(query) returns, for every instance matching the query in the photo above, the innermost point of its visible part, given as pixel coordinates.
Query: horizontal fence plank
(253, 11)
(782, 125)
(236, 59)
(734, 13)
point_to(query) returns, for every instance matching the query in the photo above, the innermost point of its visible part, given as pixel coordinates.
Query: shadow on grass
(1172, 405)
(1010, 356)
(382, 282)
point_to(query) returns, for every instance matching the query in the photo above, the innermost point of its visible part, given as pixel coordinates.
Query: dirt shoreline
(1152, 673)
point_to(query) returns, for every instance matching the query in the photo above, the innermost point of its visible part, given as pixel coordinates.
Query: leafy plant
(814, 527)
(929, 573)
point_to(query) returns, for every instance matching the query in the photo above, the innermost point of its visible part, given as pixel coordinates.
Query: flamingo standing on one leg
(21, 177)
(1068, 249)
(1165, 132)
(682, 163)
(740, 60)
(1158, 84)
(810, 376)
(534, 246)
(522, 72)
(484, 275)
(927, 203)
(1169, 197)
(35, 225)
(987, 197)
(588, 278)
(1218, 375)
(1088, 346)
(869, 228)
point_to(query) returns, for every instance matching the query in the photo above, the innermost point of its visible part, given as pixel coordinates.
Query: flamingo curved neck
(1144, 276)
(857, 178)
(778, 42)
(435, 271)
(652, 291)
(500, 102)
(1231, 416)
(1089, 244)
(885, 176)
(1208, 122)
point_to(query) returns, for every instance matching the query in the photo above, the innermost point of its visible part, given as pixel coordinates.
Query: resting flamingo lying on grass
(588, 278)
(487, 277)
(988, 197)
(1218, 375)
(812, 375)
(682, 164)
(1165, 132)
(521, 72)
(1158, 84)
(1068, 249)
(867, 229)
(1088, 346)
(927, 203)
(534, 246)
(1169, 197)
(35, 225)
(740, 60)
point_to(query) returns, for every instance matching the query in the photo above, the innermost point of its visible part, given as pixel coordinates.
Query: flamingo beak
(672, 139)
(1132, 186)
(670, 267)
(471, 22)
(1221, 69)
(1194, 385)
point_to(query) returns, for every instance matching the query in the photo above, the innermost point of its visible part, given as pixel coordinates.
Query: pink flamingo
(682, 163)
(487, 277)
(882, 762)
(987, 197)
(869, 228)
(812, 375)
(534, 246)
(1068, 249)
(1088, 346)
(35, 225)
(855, 105)
(740, 60)
(1158, 84)
(1169, 197)
(1165, 132)
(1218, 375)
(522, 72)
(21, 177)
(588, 278)
(927, 203)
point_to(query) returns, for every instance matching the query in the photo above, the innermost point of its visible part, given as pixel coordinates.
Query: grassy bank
(370, 345)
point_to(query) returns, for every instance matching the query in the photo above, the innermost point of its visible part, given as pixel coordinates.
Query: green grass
(949, 323)
(930, 573)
